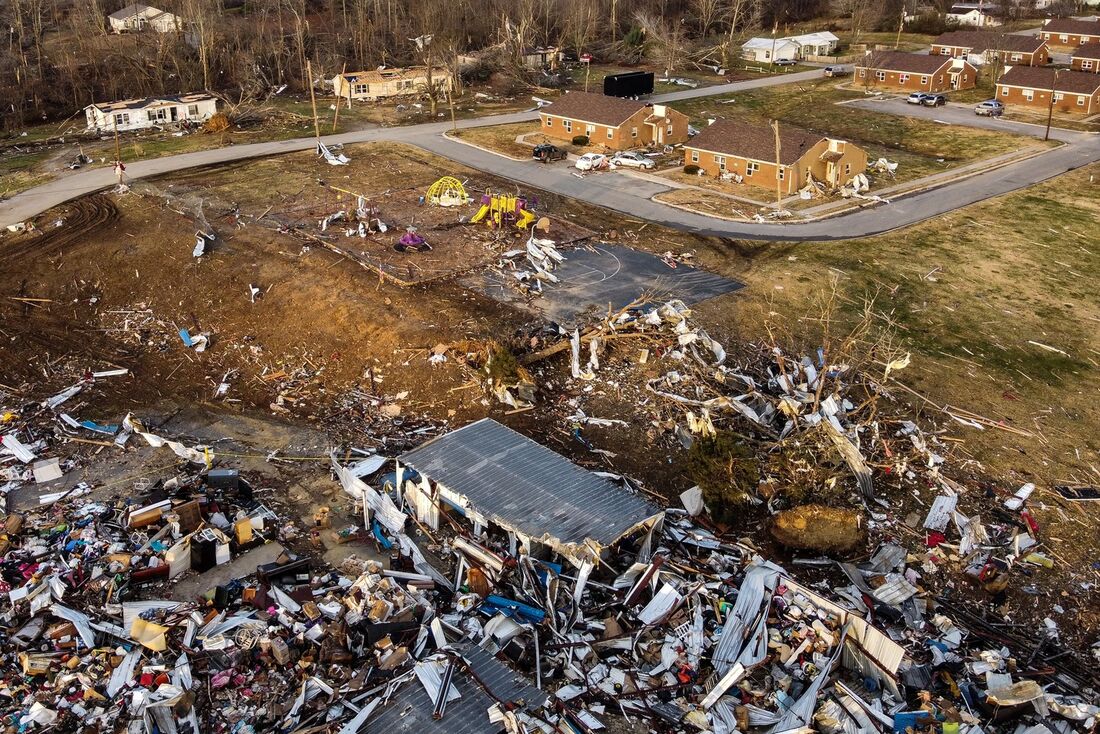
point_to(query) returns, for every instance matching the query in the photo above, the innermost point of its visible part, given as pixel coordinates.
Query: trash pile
(481, 614)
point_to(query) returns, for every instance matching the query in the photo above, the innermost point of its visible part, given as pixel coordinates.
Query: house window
(694, 156)
(847, 169)
(669, 129)
(610, 133)
(1058, 96)
(945, 51)
(1080, 101)
(589, 130)
(568, 125)
(782, 173)
(1086, 64)
(862, 73)
(903, 78)
(752, 168)
(408, 84)
(721, 161)
(192, 110)
(549, 122)
(880, 75)
(1064, 38)
(924, 80)
(122, 118)
(1017, 57)
(939, 79)
(633, 132)
(158, 115)
(1029, 94)
(1004, 91)
(360, 89)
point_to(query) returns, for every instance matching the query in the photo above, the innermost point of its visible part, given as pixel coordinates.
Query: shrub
(727, 472)
(580, 140)
(691, 169)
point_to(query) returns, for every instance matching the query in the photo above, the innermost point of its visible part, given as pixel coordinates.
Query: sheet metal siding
(525, 485)
(410, 709)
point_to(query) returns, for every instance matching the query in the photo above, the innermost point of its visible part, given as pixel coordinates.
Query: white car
(633, 160)
(591, 162)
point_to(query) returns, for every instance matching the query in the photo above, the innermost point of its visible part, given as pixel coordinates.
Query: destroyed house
(139, 114)
(1073, 91)
(491, 474)
(383, 83)
(980, 47)
(914, 72)
(479, 682)
(138, 17)
(746, 152)
(1070, 32)
(1086, 58)
(619, 124)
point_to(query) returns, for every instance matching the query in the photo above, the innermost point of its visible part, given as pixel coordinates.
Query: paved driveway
(628, 194)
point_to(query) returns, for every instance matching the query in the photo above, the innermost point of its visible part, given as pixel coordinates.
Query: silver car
(633, 159)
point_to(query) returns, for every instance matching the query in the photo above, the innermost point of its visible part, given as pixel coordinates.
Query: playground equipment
(500, 208)
(447, 191)
(412, 242)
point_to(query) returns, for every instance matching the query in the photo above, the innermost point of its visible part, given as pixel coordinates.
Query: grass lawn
(906, 42)
(921, 147)
(502, 138)
(709, 202)
(22, 171)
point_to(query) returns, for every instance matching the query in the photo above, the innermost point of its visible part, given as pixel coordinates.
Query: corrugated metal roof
(523, 485)
(409, 710)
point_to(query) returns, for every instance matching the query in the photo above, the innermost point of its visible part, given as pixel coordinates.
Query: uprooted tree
(726, 470)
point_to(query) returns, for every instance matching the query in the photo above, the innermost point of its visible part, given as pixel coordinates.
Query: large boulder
(829, 530)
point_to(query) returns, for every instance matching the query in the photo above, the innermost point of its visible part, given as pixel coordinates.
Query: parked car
(547, 153)
(591, 162)
(917, 97)
(834, 71)
(633, 160)
(934, 100)
(784, 62)
(990, 107)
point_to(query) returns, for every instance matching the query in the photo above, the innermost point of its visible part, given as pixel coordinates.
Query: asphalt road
(623, 192)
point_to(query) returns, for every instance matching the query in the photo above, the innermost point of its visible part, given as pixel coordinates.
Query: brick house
(616, 123)
(914, 72)
(748, 150)
(1030, 86)
(1086, 58)
(1068, 32)
(982, 47)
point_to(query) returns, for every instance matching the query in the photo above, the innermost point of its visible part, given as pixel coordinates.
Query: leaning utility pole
(1050, 108)
(313, 101)
(336, 95)
(778, 188)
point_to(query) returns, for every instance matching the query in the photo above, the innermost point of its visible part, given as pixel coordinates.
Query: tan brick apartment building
(1086, 58)
(1067, 32)
(619, 124)
(981, 47)
(748, 150)
(914, 72)
(1027, 86)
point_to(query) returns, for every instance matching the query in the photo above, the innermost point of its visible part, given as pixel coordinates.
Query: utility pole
(313, 101)
(901, 26)
(778, 186)
(1050, 108)
(336, 95)
(451, 103)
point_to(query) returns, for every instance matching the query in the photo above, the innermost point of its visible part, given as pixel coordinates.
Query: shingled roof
(979, 41)
(595, 108)
(1038, 77)
(1087, 51)
(754, 141)
(903, 62)
(1071, 26)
